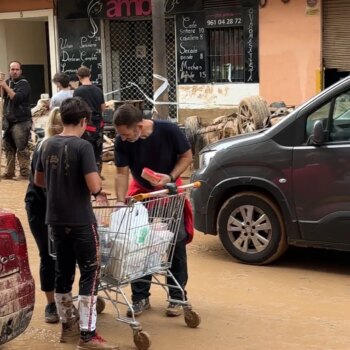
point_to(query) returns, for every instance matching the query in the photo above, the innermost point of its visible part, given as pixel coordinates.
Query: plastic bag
(132, 221)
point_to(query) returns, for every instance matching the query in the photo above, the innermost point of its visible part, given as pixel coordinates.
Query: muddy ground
(299, 303)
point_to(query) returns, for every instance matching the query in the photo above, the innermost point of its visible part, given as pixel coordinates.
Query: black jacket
(18, 109)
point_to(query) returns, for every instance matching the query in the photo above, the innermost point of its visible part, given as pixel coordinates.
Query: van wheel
(251, 229)
(253, 114)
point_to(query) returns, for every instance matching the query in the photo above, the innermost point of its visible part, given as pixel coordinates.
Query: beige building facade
(28, 34)
(290, 38)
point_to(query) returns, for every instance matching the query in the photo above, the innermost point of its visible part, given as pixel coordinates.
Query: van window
(336, 122)
(340, 122)
(321, 114)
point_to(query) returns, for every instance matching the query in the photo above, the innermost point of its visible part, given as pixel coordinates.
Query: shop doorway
(331, 76)
(30, 39)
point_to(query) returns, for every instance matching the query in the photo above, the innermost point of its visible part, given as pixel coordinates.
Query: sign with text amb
(109, 9)
(127, 8)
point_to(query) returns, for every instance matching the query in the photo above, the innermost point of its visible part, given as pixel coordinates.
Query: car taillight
(13, 248)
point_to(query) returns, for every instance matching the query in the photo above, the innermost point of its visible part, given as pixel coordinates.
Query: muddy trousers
(16, 138)
(77, 244)
(39, 230)
(140, 289)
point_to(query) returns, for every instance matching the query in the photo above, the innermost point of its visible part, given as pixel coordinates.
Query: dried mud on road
(298, 303)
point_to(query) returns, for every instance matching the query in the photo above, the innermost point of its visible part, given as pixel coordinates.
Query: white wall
(37, 16)
(3, 52)
(214, 95)
(24, 41)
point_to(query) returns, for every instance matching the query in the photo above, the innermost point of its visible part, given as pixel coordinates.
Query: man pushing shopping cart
(163, 148)
(156, 153)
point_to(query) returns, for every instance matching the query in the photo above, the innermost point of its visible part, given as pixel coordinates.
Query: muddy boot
(138, 307)
(67, 313)
(24, 162)
(51, 315)
(76, 312)
(95, 343)
(8, 177)
(174, 310)
(70, 330)
(10, 163)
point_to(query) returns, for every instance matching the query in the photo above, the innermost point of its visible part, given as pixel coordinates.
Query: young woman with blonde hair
(35, 200)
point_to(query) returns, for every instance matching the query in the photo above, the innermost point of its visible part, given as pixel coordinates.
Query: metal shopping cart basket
(138, 240)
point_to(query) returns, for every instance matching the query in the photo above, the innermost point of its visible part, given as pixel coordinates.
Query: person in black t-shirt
(94, 98)
(162, 147)
(66, 167)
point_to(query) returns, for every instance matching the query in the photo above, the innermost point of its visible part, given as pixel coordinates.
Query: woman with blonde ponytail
(35, 200)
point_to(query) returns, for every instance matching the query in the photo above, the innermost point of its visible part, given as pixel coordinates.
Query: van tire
(253, 114)
(252, 241)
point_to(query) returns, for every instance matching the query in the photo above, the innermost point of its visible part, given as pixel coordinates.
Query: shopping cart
(137, 240)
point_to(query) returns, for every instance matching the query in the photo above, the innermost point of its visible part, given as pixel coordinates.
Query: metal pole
(159, 54)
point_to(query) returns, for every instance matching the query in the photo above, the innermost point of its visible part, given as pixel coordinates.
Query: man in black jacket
(17, 121)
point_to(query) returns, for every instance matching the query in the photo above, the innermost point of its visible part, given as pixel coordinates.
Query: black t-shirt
(35, 196)
(18, 109)
(159, 151)
(65, 160)
(94, 98)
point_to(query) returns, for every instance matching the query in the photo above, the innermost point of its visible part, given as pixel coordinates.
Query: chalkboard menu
(191, 48)
(80, 45)
(72, 9)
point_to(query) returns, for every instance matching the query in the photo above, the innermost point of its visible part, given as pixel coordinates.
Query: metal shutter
(124, 65)
(336, 34)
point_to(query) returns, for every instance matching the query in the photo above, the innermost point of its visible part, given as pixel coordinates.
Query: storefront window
(226, 54)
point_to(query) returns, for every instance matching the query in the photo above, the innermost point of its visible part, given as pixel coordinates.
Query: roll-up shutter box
(336, 34)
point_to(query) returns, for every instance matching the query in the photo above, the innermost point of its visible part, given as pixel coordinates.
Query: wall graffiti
(93, 10)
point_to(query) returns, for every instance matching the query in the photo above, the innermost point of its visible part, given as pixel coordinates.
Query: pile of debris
(40, 114)
(252, 114)
(278, 111)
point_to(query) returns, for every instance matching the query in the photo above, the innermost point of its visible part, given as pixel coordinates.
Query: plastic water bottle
(104, 244)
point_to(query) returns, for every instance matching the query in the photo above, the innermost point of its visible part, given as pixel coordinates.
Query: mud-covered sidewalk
(300, 302)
